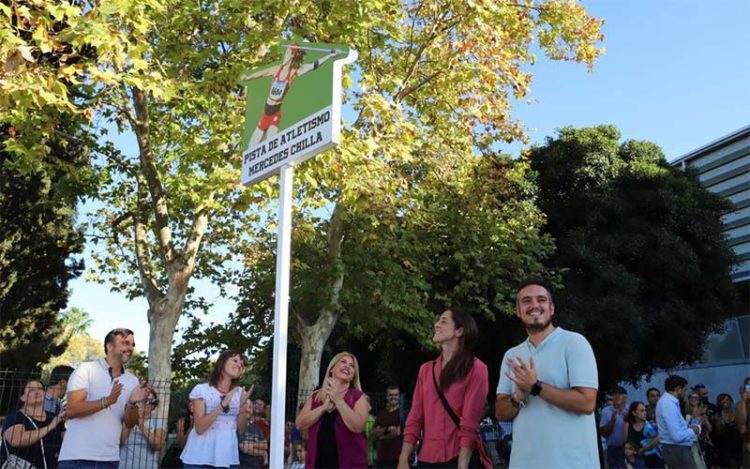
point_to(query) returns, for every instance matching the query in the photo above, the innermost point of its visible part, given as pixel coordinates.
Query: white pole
(281, 318)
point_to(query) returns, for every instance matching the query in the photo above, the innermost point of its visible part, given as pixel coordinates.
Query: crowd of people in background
(101, 416)
(678, 428)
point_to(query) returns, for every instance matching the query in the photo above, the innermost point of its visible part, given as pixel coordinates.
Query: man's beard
(537, 327)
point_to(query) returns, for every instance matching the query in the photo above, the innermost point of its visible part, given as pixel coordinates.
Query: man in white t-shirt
(547, 387)
(101, 396)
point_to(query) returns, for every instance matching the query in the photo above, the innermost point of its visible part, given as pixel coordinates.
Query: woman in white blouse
(220, 412)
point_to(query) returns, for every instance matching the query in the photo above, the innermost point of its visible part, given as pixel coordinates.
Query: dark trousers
(439, 465)
(678, 456)
(615, 455)
(386, 464)
(86, 464)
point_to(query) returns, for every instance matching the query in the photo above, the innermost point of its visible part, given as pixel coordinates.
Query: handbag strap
(4, 444)
(447, 406)
(41, 440)
(454, 417)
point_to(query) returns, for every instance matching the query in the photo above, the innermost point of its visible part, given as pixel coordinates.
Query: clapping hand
(141, 392)
(330, 389)
(115, 393)
(524, 375)
(246, 406)
(245, 394)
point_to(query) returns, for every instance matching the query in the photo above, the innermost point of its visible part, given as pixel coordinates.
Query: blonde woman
(335, 416)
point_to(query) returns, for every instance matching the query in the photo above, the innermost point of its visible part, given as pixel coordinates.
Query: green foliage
(76, 321)
(464, 240)
(640, 246)
(435, 83)
(372, 240)
(39, 251)
(81, 347)
(138, 365)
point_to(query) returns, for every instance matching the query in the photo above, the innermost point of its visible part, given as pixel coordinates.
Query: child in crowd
(297, 460)
(631, 461)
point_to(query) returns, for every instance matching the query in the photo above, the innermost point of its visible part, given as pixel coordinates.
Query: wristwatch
(536, 388)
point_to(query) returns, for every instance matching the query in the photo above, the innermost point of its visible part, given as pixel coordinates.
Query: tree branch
(145, 269)
(436, 31)
(193, 241)
(158, 196)
(335, 240)
(407, 91)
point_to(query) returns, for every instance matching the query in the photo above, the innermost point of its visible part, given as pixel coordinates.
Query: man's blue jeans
(85, 464)
(206, 466)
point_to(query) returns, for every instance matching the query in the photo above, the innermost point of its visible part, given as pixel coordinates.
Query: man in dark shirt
(652, 395)
(254, 442)
(702, 390)
(58, 384)
(388, 429)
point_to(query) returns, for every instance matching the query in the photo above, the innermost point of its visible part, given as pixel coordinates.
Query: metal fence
(164, 424)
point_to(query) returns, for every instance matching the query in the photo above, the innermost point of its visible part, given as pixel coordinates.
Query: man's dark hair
(673, 382)
(110, 337)
(535, 281)
(648, 391)
(392, 387)
(59, 373)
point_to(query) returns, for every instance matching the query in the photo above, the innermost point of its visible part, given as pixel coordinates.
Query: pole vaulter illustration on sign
(292, 112)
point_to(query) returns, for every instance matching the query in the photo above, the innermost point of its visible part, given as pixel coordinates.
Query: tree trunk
(163, 318)
(314, 338)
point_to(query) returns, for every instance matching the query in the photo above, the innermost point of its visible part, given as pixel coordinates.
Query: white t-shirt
(96, 437)
(218, 445)
(136, 453)
(545, 435)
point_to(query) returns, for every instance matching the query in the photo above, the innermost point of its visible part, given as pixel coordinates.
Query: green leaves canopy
(640, 246)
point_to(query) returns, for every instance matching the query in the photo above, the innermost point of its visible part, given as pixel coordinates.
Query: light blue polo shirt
(546, 436)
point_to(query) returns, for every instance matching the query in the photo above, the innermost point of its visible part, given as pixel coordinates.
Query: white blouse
(218, 445)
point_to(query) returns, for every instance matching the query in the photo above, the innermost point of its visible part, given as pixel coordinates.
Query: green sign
(292, 107)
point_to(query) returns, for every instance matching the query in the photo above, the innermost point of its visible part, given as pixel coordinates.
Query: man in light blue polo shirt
(675, 436)
(547, 387)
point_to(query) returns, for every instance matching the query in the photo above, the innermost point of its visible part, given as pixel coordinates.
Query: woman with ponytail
(462, 381)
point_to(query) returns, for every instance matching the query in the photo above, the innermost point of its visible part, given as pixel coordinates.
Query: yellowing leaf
(26, 53)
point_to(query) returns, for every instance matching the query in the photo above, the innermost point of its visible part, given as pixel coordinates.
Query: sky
(675, 72)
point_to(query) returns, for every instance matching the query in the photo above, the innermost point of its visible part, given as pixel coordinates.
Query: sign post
(293, 112)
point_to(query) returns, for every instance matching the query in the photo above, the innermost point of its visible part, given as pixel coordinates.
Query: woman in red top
(335, 416)
(463, 380)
